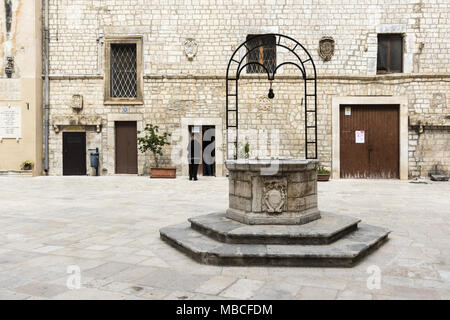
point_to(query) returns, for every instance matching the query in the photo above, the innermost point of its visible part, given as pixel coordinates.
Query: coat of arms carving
(77, 102)
(326, 48)
(190, 48)
(274, 196)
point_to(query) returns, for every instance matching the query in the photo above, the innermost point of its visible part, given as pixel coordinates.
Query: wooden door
(74, 153)
(126, 147)
(369, 141)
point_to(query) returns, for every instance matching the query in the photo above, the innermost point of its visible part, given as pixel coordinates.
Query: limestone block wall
(177, 88)
(428, 149)
(166, 101)
(219, 26)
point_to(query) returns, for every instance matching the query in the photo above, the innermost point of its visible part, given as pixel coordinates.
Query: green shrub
(321, 170)
(153, 141)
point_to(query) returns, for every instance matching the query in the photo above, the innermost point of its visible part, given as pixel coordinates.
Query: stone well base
(333, 241)
(273, 191)
(273, 219)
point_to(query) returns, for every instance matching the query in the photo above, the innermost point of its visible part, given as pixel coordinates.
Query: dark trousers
(193, 169)
(209, 169)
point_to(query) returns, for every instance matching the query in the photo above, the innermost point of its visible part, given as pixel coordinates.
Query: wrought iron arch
(291, 45)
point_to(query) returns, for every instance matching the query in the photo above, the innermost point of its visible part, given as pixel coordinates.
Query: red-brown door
(126, 147)
(369, 141)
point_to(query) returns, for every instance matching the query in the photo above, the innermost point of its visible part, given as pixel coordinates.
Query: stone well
(273, 191)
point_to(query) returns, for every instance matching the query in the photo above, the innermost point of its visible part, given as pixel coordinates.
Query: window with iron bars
(123, 76)
(265, 54)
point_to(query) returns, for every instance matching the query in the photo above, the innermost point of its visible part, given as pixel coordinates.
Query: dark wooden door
(208, 150)
(369, 141)
(126, 147)
(74, 153)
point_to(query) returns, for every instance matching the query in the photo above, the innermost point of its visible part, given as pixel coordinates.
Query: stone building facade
(186, 46)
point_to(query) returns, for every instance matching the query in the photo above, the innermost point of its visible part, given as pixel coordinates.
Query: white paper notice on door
(360, 136)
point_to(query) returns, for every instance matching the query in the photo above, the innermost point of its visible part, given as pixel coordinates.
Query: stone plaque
(74, 128)
(10, 89)
(10, 122)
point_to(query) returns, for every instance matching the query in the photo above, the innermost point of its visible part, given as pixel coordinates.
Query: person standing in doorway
(194, 157)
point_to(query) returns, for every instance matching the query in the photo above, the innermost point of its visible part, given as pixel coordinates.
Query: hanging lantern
(271, 95)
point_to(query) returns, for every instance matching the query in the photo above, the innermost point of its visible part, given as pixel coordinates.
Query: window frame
(139, 99)
(261, 53)
(390, 37)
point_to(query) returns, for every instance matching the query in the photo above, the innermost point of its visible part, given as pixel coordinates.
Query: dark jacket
(194, 152)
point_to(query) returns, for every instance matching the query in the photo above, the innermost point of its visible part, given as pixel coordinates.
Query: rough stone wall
(176, 87)
(219, 26)
(427, 150)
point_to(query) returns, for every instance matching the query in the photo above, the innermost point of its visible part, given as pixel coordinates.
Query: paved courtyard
(108, 228)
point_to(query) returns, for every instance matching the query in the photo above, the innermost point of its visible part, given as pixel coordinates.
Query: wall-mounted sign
(348, 111)
(360, 136)
(10, 122)
(125, 110)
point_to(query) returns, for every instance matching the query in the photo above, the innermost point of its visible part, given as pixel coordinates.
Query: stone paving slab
(343, 253)
(101, 214)
(322, 231)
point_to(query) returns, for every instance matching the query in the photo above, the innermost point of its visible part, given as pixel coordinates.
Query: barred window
(265, 54)
(390, 53)
(123, 71)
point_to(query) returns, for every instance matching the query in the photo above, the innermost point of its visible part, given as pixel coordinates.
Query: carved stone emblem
(77, 102)
(439, 100)
(190, 48)
(9, 69)
(326, 48)
(264, 105)
(274, 196)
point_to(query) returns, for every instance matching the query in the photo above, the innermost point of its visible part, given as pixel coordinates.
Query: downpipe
(46, 88)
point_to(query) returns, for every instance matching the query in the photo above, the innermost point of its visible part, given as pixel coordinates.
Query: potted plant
(244, 150)
(27, 165)
(323, 174)
(154, 142)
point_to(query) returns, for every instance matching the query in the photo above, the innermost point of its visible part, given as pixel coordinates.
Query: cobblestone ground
(108, 227)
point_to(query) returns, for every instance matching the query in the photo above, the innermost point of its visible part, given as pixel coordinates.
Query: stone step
(21, 173)
(326, 230)
(345, 252)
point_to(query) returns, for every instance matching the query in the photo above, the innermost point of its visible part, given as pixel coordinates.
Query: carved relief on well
(274, 196)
